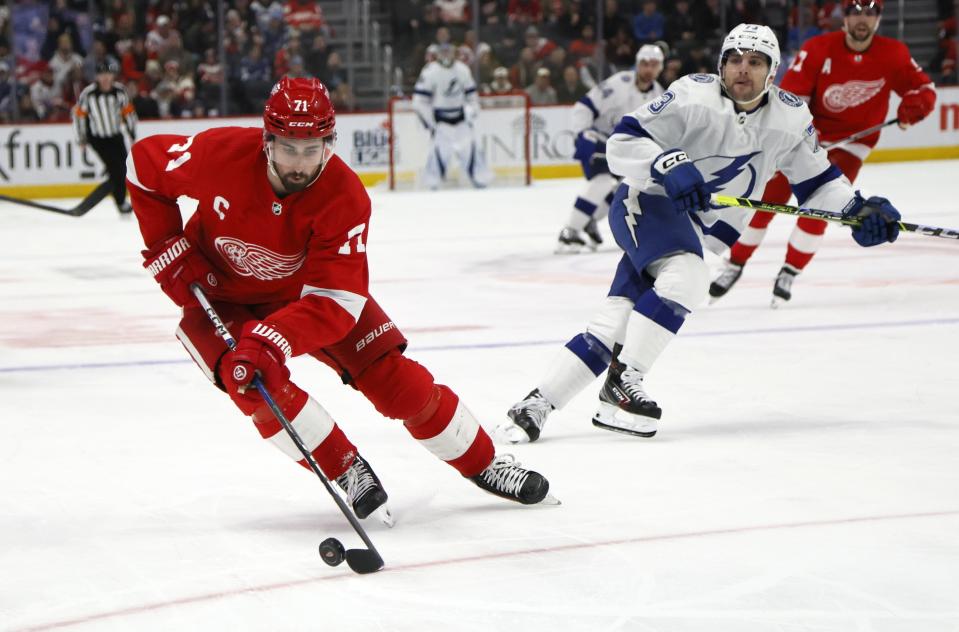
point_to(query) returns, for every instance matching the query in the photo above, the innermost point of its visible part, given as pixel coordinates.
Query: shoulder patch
(665, 99)
(625, 78)
(790, 99)
(702, 78)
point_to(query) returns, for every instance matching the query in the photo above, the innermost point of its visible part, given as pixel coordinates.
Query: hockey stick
(86, 204)
(858, 135)
(360, 560)
(931, 231)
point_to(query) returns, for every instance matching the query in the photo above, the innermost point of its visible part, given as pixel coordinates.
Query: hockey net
(503, 131)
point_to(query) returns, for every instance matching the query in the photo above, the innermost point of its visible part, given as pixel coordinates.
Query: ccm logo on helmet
(301, 124)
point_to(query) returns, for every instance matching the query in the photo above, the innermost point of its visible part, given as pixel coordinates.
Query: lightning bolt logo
(729, 172)
(631, 202)
(726, 174)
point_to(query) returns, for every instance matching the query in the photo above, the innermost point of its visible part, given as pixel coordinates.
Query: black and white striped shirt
(100, 114)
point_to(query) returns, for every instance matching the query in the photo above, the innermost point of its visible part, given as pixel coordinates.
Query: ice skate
(527, 418)
(725, 281)
(570, 241)
(624, 405)
(782, 288)
(592, 231)
(364, 491)
(505, 478)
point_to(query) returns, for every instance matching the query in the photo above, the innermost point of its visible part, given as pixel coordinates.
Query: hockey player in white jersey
(593, 119)
(445, 100)
(706, 134)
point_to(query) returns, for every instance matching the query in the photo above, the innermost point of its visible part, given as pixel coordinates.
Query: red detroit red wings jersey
(849, 91)
(305, 250)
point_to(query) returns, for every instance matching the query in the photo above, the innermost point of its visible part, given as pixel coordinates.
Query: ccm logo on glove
(669, 161)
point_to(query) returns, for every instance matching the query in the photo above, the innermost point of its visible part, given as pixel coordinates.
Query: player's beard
(294, 181)
(860, 32)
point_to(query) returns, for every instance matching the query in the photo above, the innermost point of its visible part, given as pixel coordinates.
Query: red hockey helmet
(849, 5)
(299, 108)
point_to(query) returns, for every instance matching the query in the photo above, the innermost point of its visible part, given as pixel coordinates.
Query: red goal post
(503, 132)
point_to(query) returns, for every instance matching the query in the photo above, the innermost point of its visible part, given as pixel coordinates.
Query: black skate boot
(505, 478)
(725, 281)
(623, 404)
(783, 286)
(363, 489)
(592, 231)
(570, 241)
(527, 418)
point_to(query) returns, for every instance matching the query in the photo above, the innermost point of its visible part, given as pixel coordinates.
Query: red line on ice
(135, 610)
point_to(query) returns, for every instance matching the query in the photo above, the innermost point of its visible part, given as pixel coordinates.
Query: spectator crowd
(547, 48)
(169, 56)
(167, 53)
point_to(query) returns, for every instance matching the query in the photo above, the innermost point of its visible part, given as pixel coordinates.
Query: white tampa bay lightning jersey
(737, 152)
(445, 94)
(605, 104)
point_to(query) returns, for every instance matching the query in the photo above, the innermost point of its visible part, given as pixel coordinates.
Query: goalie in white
(593, 119)
(446, 103)
(705, 135)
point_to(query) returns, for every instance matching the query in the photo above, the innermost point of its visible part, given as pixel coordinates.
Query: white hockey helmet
(650, 52)
(752, 37)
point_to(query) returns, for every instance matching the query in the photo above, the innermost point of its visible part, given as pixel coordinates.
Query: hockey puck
(332, 551)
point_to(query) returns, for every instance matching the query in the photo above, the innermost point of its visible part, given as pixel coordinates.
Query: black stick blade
(364, 561)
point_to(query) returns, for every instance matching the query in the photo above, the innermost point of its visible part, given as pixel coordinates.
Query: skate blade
(617, 425)
(777, 302)
(549, 501)
(511, 433)
(568, 249)
(384, 515)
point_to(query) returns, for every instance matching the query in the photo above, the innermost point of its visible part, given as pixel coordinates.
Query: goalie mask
(445, 54)
(752, 37)
(298, 131)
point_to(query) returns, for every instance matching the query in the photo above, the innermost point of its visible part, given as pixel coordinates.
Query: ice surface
(805, 476)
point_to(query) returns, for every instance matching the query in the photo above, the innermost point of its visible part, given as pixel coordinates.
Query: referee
(101, 111)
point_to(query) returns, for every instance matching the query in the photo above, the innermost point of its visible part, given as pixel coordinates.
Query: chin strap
(769, 83)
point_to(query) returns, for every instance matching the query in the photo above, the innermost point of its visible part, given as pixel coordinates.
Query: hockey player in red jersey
(845, 77)
(278, 242)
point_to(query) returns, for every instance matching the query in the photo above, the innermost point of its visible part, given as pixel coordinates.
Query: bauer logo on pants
(373, 335)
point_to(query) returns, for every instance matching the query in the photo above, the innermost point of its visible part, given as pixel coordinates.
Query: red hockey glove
(262, 350)
(915, 106)
(176, 264)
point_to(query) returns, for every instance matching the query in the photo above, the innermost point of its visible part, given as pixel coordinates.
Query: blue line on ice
(527, 343)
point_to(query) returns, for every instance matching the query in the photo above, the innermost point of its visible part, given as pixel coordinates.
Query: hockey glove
(470, 114)
(590, 151)
(880, 220)
(915, 106)
(176, 264)
(682, 181)
(261, 350)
